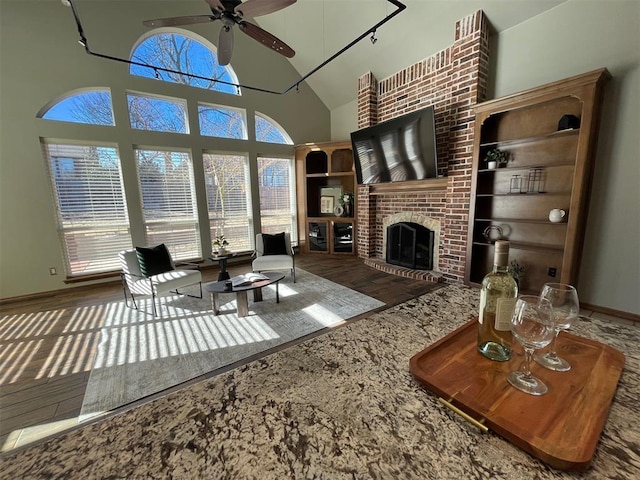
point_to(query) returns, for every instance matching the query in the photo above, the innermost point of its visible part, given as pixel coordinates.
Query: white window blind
(277, 196)
(229, 199)
(168, 202)
(90, 205)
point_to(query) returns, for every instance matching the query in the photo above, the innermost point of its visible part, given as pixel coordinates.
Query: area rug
(140, 355)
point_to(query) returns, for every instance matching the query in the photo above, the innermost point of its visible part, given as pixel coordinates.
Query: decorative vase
(347, 209)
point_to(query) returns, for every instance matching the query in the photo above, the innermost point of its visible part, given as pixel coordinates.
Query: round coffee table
(216, 288)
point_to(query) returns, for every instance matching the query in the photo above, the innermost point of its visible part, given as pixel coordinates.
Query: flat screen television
(398, 150)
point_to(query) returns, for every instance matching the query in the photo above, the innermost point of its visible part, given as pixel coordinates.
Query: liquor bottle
(497, 299)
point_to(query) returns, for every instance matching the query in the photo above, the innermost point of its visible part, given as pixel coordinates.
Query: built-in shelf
(525, 140)
(522, 194)
(325, 171)
(339, 174)
(519, 220)
(525, 167)
(527, 246)
(559, 166)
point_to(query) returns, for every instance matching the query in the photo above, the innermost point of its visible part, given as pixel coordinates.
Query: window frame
(166, 222)
(292, 214)
(109, 224)
(214, 228)
(129, 139)
(283, 133)
(58, 101)
(242, 112)
(160, 98)
(228, 69)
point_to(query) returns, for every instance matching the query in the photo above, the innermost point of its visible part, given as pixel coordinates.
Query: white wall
(344, 120)
(573, 38)
(41, 60)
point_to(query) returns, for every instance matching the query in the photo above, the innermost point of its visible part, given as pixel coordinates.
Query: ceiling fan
(230, 13)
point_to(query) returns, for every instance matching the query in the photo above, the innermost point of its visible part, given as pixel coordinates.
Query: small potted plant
(516, 270)
(496, 158)
(220, 243)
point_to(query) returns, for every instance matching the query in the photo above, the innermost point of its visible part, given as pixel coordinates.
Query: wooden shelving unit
(325, 170)
(547, 169)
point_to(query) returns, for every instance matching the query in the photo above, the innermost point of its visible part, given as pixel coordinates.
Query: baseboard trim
(610, 311)
(114, 281)
(61, 291)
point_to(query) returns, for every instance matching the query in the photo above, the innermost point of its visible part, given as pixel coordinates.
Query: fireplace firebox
(410, 245)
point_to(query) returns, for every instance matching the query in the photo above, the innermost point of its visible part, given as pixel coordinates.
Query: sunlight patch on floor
(322, 315)
(126, 344)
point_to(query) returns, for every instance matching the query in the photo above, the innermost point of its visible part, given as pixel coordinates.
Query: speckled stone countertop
(339, 406)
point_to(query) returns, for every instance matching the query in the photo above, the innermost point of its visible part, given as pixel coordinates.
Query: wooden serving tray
(561, 428)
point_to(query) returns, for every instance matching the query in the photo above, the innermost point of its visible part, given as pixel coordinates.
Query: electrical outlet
(552, 271)
(53, 271)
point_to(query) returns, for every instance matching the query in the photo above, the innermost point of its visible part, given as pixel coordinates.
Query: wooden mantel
(408, 187)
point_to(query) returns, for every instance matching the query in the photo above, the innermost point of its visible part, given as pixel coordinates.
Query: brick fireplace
(452, 80)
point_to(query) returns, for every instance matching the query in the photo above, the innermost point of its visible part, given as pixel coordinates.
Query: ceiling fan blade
(225, 45)
(173, 21)
(265, 38)
(255, 8)
(217, 4)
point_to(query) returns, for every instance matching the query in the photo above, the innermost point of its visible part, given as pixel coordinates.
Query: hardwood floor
(47, 345)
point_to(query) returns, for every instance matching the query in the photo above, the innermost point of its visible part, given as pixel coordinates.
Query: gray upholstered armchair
(274, 252)
(152, 272)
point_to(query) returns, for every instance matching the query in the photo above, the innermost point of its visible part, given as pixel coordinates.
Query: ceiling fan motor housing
(229, 14)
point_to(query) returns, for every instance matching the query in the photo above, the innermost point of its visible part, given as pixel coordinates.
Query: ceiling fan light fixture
(234, 11)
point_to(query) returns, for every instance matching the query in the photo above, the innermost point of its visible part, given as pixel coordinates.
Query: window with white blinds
(229, 199)
(168, 202)
(90, 205)
(277, 196)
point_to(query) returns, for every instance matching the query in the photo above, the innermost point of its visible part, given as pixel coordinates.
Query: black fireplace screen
(410, 245)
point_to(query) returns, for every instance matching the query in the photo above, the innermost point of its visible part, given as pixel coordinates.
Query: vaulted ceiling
(316, 29)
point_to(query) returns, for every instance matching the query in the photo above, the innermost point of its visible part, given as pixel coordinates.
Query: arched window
(90, 192)
(185, 53)
(93, 107)
(268, 130)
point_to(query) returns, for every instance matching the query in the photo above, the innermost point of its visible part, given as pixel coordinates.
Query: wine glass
(566, 308)
(533, 327)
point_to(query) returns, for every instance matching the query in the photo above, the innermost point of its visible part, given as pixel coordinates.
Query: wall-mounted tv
(398, 150)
